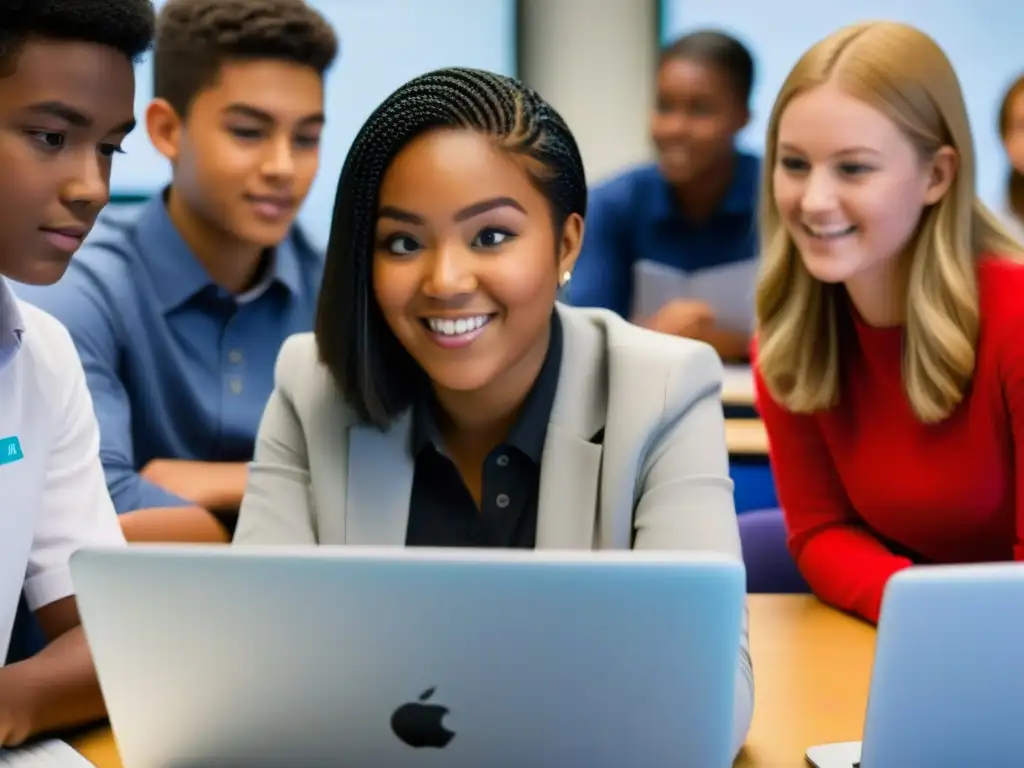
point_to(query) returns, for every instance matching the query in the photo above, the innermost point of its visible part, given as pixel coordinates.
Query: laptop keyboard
(45, 754)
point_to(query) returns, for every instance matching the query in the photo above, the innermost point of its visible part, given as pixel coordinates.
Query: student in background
(445, 400)
(67, 87)
(1011, 128)
(889, 364)
(672, 245)
(179, 309)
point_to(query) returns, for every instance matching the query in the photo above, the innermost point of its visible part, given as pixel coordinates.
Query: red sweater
(868, 490)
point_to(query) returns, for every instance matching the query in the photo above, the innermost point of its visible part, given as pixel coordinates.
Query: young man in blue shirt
(178, 309)
(67, 88)
(672, 245)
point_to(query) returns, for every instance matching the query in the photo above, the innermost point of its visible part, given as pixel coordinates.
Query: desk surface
(737, 385)
(746, 437)
(812, 668)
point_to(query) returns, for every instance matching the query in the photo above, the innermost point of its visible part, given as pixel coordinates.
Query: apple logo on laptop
(419, 723)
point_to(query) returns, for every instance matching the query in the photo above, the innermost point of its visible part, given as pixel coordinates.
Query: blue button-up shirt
(636, 228)
(178, 368)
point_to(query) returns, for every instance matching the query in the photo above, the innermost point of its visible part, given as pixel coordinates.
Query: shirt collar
(12, 324)
(531, 427)
(740, 198)
(178, 275)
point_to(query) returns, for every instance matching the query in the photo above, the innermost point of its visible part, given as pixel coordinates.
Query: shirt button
(234, 357)
(502, 461)
(236, 386)
(502, 500)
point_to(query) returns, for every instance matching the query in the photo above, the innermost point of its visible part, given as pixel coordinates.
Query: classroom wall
(981, 38)
(383, 44)
(594, 61)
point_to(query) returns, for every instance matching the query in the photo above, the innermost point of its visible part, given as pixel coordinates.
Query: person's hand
(683, 317)
(15, 707)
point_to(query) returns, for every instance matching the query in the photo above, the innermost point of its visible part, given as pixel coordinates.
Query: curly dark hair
(378, 378)
(194, 38)
(720, 51)
(125, 25)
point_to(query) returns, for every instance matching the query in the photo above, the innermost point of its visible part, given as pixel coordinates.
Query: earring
(566, 277)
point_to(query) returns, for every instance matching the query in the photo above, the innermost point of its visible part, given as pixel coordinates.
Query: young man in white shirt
(66, 103)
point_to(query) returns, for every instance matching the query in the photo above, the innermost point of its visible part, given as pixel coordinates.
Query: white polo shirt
(53, 496)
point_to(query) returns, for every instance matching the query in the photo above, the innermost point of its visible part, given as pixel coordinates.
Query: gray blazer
(660, 480)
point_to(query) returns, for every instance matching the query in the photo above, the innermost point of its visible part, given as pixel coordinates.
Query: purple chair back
(770, 567)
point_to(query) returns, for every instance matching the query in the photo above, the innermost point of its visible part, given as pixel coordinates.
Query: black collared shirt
(442, 511)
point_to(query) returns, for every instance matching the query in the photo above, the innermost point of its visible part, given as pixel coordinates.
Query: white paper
(842, 754)
(45, 754)
(737, 385)
(727, 289)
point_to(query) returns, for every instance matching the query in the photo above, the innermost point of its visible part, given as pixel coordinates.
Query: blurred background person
(671, 244)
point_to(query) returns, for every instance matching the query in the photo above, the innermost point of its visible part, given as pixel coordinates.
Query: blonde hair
(902, 72)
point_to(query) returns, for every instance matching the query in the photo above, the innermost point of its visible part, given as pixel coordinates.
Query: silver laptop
(947, 688)
(413, 657)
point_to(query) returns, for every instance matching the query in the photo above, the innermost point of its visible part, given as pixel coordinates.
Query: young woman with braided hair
(446, 398)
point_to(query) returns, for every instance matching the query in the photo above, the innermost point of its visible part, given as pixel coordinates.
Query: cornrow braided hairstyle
(378, 378)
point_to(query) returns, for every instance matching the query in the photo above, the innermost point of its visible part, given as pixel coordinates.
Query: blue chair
(770, 567)
(754, 484)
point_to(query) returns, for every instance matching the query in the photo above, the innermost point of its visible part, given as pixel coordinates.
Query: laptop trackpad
(842, 754)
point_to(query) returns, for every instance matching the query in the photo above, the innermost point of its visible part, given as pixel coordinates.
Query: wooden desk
(746, 437)
(812, 668)
(737, 385)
